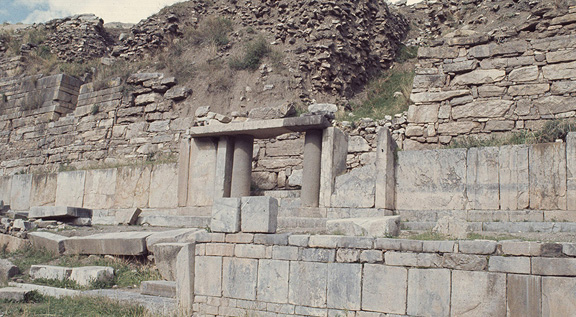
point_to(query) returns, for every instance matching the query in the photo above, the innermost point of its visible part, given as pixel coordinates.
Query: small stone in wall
(358, 144)
(295, 178)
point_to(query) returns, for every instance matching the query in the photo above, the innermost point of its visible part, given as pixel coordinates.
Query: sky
(128, 11)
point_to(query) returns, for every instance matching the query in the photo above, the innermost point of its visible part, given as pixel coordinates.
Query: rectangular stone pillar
(185, 278)
(201, 172)
(183, 169)
(385, 171)
(310, 192)
(334, 151)
(224, 159)
(547, 164)
(482, 182)
(571, 170)
(514, 178)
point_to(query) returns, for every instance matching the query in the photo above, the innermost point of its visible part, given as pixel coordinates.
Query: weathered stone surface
(48, 241)
(482, 178)
(124, 243)
(262, 113)
(295, 179)
(356, 188)
(437, 52)
(7, 270)
(308, 282)
(561, 56)
(571, 171)
(521, 248)
(5, 189)
(513, 47)
(524, 295)
(264, 180)
(163, 188)
(127, 217)
(226, 215)
(466, 262)
(165, 258)
(85, 275)
(100, 188)
(373, 227)
(505, 264)
(478, 294)
(491, 91)
(413, 259)
(222, 168)
(454, 227)
(285, 147)
(384, 289)
(333, 163)
(177, 93)
(558, 296)
(455, 128)
(13, 244)
(550, 105)
(500, 125)
(145, 99)
(477, 246)
(426, 97)
(559, 71)
(479, 76)
(20, 192)
(423, 113)
(50, 272)
(563, 87)
(428, 292)
(132, 187)
(70, 188)
(323, 108)
(344, 286)
(43, 191)
(385, 195)
(429, 81)
(158, 288)
(172, 236)
(528, 90)
(357, 144)
(59, 212)
(259, 214)
(554, 266)
(547, 163)
(208, 276)
(482, 109)
(185, 277)
(524, 74)
(202, 167)
(513, 177)
(13, 294)
(434, 179)
(505, 62)
(273, 281)
(460, 67)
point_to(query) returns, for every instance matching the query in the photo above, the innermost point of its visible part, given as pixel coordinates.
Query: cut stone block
(158, 288)
(429, 292)
(384, 289)
(385, 171)
(171, 236)
(524, 296)
(13, 294)
(127, 217)
(208, 276)
(117, 243)
(132, 187)
(259, 214)
(70, 188)
(239, 278)
(59, 212)
(43, 192)
(100, 188)
(201, 172)
(185, 278)
(356, 189)
(85, 275)
(165, 258)
(183, 171)
(334, 152)
(50, 272)
(344, 286)
(163, 187)
(226, 215)
(13, 244)
(48, 241)
(482, 187)
(373, 227)
(454, 227)
(548, 176)
(5, 188)
(571, 170)
(558, 296)
(273, 281)
(308, 282)
(514, 177)
(7, 270)
(20, 192)
(478, 294)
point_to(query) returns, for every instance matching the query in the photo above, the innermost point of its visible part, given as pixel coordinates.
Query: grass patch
(27, 257)
(406, 53)
(212, 30)
(70, 306)
(66, 283)
(428, 235)
(479, 236)
(254, 52)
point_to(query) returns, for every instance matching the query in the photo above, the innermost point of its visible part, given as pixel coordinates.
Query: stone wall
(245, 274)
(470, 86)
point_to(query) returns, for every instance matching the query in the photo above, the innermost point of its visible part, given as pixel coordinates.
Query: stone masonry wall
(470, 86)
(258, 274)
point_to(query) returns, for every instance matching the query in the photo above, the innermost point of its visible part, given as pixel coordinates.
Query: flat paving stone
(115, 243)
(158, 288)
(58, 212)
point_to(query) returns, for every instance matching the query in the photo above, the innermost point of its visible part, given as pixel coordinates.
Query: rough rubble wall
(467, 87)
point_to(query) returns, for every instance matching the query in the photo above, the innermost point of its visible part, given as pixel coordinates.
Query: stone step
(501, 227)
(301, 225)
(158, 288)
(58, 212)
(280, 194)
(373, 227)
(489, 215)
(115, 243)
(13, 294)
(175, 221)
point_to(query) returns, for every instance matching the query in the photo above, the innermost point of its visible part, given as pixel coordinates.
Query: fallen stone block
(172, 236)
(49, 241)
(85, 275)
(23, 225)
(7, 270)
(259, 214)
(12, 244)
(47, 290)
(158, 288)
(13, 294)
(49, 272)
(374, 227)
(59, 212)
(128, 217)
(165, 258)
(226, 215)
(116, 243)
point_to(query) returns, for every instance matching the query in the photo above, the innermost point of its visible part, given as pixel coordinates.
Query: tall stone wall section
(470, 86)
(302, 275)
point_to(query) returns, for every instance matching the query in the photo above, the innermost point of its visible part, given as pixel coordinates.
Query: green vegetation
(428, 235)
(212, 30)
(406, 53)
(38, 305)
(254, 52)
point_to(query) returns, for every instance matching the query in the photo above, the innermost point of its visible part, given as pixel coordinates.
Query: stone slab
(384, 289)
(185, 278)
(43, 191)
(201, 171)
(344, 286)
(226, 215)
(86, 275)
(13, 294)
(308, 282)
(239, 278)
(163, 188)
(208, 276)
(482, 179)
(571, 171)
(385, 171)
(7, 270)
(547, 164)
(50, 272)
(558, 296)
(273, 280)
(158, 288)
(100, 188)
(172, 236)
(132, 187)
(372, 227)
(165, 258)
(524, 296)
(259, 214)
(263, 129)
(429, 292)
(20, 192)
(355, 189)
(431, 180)
(514, 177)
(13, 244)
(333, 161)
(49, 241)
(5, 189)
(117, 243)
(554, 266)
(127, 217)
(70, 188)
(59, 212)
(478, 294)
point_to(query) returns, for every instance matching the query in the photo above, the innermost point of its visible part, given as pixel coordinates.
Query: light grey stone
(86, 275)
(423, 113)
(467, 262)
(371, 256)
(429, 97)
(295, 179)
(323, 108)
(226, 215)
(308, 282)
(344, 286)
(43, 191)
(259, 214)
(563, 87)
(171, 236)
(528, 90)
(7, 270)
(100, 188)
(127, 217)
(384, 289)
(559, 71)
(413, 259)
(185, 277)
(357, 144)
(438, 246)
(479, 76)
(239, 278)
(520, 248)
(273, 281)
(492, 49)
(433, 179)
(478, 294)
(508, 264)
(70, 188)
(524, 295)
(514, 177)
(399, 245)
(208, 276)
(482, 178)
(477, 246)
(317, 255)
(20, 192)
(333, 161)
(178, 93)
(5, 189)
(373, 227)
(163, 187)
(571, 171)
(165, 258)
(59, 212)
(146, 99)
(547, 163)
(285, 253)
(558, 296)
(554, 266)
(356, 188)
(482, 109)
(460, 67)
(132, 187)
(385, 195)
(202, 111)
(440, 52)
(115, 243)
(429, 292)
(263, 113)
(158, 288)
(524, 74)
(453, 227)
(13, 294)
(551, 105)
(455, 128)
(204, 160)
(347, 255)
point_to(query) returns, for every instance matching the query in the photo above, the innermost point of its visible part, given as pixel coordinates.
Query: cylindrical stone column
(310, 193)
(242, 166)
